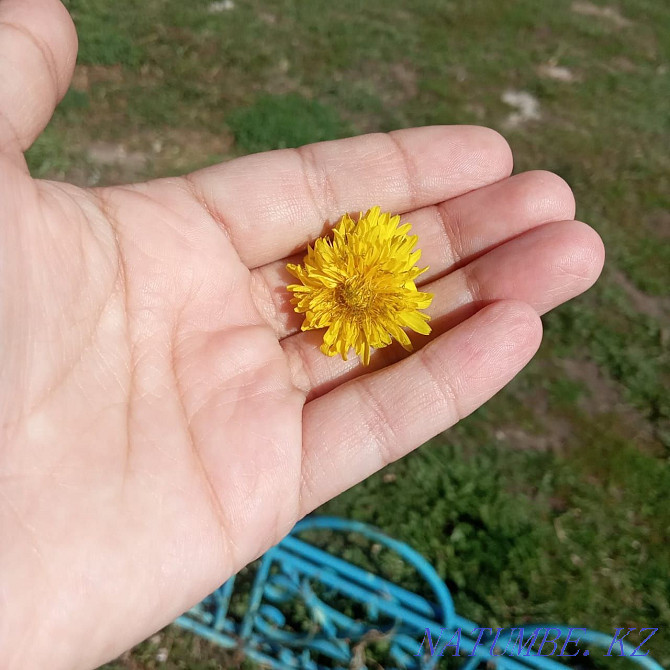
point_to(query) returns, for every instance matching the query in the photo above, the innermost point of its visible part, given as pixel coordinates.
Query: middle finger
(451, 234)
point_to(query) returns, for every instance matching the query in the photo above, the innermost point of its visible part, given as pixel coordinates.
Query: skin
(164, 420)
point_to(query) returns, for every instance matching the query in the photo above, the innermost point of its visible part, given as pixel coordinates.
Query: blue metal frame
(295, 571)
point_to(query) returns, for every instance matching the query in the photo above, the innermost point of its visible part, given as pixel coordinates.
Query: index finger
(275, 203)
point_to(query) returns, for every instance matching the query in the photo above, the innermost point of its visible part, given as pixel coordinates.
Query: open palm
(164, 420)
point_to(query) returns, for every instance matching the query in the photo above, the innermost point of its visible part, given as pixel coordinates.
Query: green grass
(630, 346)
(48, 156)
(108, 34)
(551, 501)
(280, 122)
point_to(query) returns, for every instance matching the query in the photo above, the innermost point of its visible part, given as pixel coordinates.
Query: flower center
(355, 294)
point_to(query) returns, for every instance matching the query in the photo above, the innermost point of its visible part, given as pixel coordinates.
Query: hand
(164, 420)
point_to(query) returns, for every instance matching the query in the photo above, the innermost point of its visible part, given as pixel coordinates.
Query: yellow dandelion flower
(360, 286)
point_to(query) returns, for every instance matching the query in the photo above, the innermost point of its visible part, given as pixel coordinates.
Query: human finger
(544, 267)
(361, 426)
(38, 49)
(451, 234)
(272, 204)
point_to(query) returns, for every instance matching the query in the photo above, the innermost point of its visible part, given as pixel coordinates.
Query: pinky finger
(362, 425)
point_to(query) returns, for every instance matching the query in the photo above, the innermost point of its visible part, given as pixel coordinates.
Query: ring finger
(543, 267)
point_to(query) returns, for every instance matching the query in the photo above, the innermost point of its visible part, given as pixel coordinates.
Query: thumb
(38, 49)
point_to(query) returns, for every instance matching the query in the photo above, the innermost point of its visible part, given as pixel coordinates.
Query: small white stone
(527, 108)
(221, 6)
(557, 72)
(162, 655)
(608, 13)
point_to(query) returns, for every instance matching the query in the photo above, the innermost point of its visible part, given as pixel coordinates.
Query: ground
(550, 503)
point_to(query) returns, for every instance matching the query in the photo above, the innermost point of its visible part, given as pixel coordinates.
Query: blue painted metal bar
(226, 592)
(364, 578)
